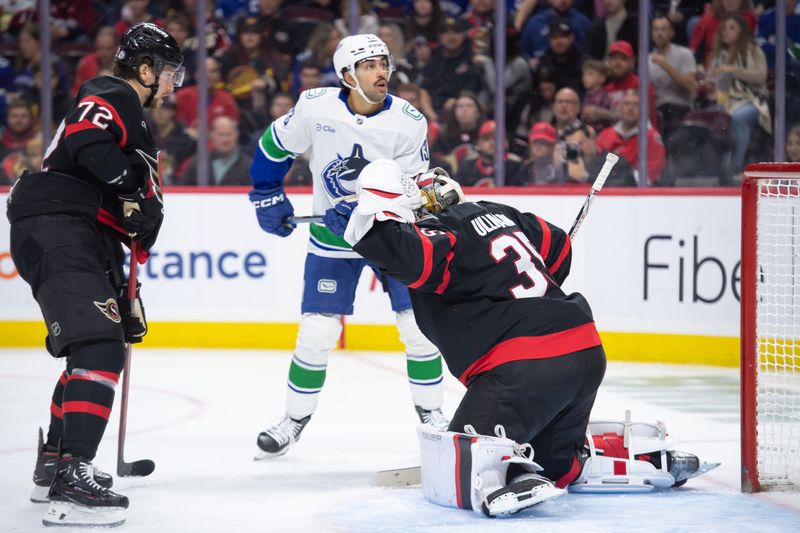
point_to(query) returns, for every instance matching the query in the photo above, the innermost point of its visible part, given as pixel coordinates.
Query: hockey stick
(142, 467)
(311, 219)
(399, 477)
(597, 186)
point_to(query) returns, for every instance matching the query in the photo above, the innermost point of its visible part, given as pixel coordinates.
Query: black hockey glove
(143, 210)
(134, 320)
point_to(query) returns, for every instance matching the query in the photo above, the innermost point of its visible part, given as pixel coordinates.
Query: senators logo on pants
(110, 309)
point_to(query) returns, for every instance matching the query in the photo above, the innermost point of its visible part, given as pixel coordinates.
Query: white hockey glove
(384, 194)
(133, 318)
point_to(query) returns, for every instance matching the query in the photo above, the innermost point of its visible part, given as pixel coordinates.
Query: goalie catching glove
(143, 210)
(134, 321)
(384, 194)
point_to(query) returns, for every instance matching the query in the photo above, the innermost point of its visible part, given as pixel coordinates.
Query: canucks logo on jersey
(339, 176)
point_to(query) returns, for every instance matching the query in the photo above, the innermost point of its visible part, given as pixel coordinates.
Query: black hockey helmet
(147, 41)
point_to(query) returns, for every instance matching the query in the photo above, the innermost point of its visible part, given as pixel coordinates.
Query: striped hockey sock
(56, 429)
(305, 383)
(425, 379)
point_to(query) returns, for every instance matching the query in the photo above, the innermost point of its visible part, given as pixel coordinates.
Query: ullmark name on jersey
(484, 224)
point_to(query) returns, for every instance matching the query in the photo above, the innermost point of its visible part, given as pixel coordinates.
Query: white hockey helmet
(355, 48)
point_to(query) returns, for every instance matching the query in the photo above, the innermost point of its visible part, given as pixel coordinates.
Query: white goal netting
(778, 334)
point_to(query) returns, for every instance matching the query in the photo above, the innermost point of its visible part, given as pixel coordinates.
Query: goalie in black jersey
(98, 189)
(486, 290)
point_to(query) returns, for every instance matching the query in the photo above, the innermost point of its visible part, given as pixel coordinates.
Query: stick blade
(140, 468)
(398, 477)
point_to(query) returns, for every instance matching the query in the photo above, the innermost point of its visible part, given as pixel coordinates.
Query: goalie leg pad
(423, 362)
(316, 338)
(461, 470)
(625, 456)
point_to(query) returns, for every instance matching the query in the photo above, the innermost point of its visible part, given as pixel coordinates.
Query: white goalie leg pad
(316, 337)
(612, 465)
(70, 514)
(423, 362)
(462, 469)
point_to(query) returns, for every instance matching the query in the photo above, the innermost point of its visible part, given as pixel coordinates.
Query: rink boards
(660, 269)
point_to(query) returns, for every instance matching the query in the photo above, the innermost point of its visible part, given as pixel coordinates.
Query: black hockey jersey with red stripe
(92, 158)
(485, 282)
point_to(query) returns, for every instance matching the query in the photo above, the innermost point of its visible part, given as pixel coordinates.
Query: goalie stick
(597, 186)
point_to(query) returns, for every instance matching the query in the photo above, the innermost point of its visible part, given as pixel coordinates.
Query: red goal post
(770, 327)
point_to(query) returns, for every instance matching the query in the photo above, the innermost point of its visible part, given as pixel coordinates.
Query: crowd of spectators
(571, 83)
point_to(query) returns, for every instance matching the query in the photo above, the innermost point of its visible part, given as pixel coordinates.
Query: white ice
(197, 414)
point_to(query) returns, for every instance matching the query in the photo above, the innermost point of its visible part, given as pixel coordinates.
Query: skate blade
(610, 488)
(704, 468)
(70, 514)
(511, 503)
(40, 494)
(261, 455)
(399, 477)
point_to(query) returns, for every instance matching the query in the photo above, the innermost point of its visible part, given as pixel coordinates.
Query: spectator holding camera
(583, 162)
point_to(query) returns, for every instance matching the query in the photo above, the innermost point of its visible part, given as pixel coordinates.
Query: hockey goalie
(485, 282)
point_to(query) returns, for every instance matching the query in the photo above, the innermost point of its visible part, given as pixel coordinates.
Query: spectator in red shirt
(220, 102)
(702, 39)
(623, 138)
(101, 61)
(621, 62)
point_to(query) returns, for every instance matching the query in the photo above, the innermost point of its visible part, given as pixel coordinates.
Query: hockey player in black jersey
(486, 290)
(98, 189)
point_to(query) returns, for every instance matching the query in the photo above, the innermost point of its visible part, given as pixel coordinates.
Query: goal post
(770, 327)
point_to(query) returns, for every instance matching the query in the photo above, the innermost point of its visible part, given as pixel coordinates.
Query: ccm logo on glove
(268, 202)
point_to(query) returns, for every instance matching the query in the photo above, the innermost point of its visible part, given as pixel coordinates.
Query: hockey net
(770, 328)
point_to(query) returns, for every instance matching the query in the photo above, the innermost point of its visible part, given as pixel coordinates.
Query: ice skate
(278, 438)
(433, 417)
(684, 466)
(76, 499)
(46, 463)
(525, 491)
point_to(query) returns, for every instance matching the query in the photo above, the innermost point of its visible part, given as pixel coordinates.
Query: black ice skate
(76, 499)
(525, 491)
(278, 438)
(432, 417)
(683, 466)
(46, 461)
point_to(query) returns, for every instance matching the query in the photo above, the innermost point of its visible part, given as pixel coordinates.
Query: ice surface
(197, 414)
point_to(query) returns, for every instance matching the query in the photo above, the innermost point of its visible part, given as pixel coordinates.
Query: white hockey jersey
(342, 143)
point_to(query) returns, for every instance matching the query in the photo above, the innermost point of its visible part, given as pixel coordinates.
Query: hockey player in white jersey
(345, 128)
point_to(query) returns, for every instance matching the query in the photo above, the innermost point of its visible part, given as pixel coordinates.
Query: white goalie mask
(439, 190)
(355, 48)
